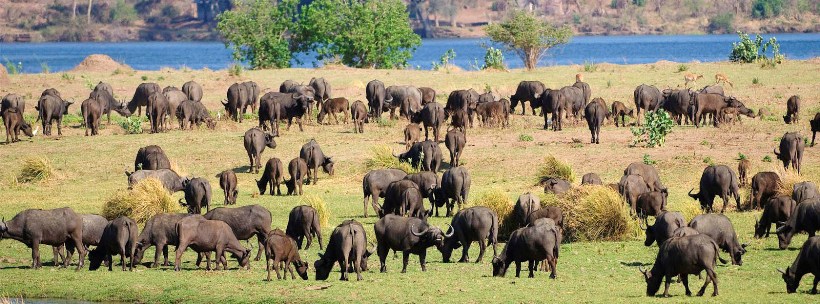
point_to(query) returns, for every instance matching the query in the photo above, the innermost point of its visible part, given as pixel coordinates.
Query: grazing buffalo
(647, 173)
(159, 231)
(12, 101)
(290, 106)
(619, 111)
(314, 157)
(197, 195)
(104, 94)
(474, 224)
(651, 203)
(405, 98)
(803, 191)
(156, 110)
(648, 98)
(551, 103)
(777, 211)
(572, 99)
(682, 256)
(236, 97)
(531, 244)
(227, 181)
(764, 186)
(141, 95)
(805, 217)
(298, 170)
(273, 174)
(93, 227)
(428, 184)
(190, 112)
(631, 187)
(375, 94)
(815, 127)
(55, 227)
(665, 225)
(677, 103)
(596, 114)
(412, 134)
(714, 104)
(14, 123)
(333, 107)
(192, 90)
(348, 247)
(428, 95)
(720, 229)
(455, 188)
(527, 91)
(792, 110)
(119, 237)
(720, 181)
(550, 212)
(255, 142)
(175, 97)
(358, 113)
(281, 249)
(303, 223)
(432, 116)
(207, 235)
(402, 197)
(591, 179)
(556, 185)
(461, 101)
(170, 180)
(151, 158)
(51, 109)
(743, 167)
(408, 235)
(427, 149)
(791, 150)
(98, 104)
(806, 262)
(245, 222)
(455, 142)
(251, 96)
(376, 181)
(525, 206)
(493, 113)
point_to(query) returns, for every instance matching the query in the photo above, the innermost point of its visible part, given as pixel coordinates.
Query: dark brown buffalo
(255, 142)
(648, 98)
(792, 110)
(375, 94)
(405, 98)
(464, 102)
(527, 91)
(805, 217)
(764, 186)
(141, 95)
(298, 170)
(551, 103)
(348, 247)
(323, 89)
(358, 113)
(805, 263)
(409, 235)
(157, 109)
(193, 90)
(631, 187)
(273, 174)
(412, 134)
(402, 197)
(119, 238)
(197, 195)
(619, 111)
(93, 227)
(314, 157)
(206, 236)
(376, 181)
(236, 97)
(12, 101)
(245, 222)
(777, 211)
(491, 114)
(682, 256)
(454, 189)
(428, 95)
(160, 231)
(664, 228)
(531, 244)
(791, 150)
(720, 181)
(720, 229)
(151, 158)
(428, 183)
(652, 203)
(677, 103)
(190, 112)
(596, 114)
(573, 100)
(432, 116)
(14, 123)
(169, 179)
(227, 181)
(648, 173)
(175, 97)
(55, 227)
(98, 104)
(51, 109)
(333, 107)
(714, 104)
(474, 224)
(303, 223)
(525, 206)
(591, 179)
(815, 127)
(550, 212)
(430, 152)
(455, 141)
(585, 88)
(281, 249)
(104, 94)
(251, 97)
(269, 111)
(743, 167)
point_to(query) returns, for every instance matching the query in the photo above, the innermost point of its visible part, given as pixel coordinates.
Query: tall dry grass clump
(554, 168)
(146, 199)
(35, 169)
(321, 208)
(594, 213)
(381, 157)
(688, 208)
(499, 202)
(788, 178)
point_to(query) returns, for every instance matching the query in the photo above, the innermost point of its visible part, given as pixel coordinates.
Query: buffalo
(648, 173)
(402, 197)
(474, 224)
(255, 142)
(141, 95)
(455, 142)
(298, 170)
(596, 114)
(375, 94)
(50, 227)
(682, 256)
(720, 229)
(791, 150)
(197, 195)
(525, 206)
(665, 225)
(169, 179)
(14, 123)
(376, 181)
(720, 181)
(358, 113)
(175, 97)
(806, 262)
(531, 244)
(245, 222)
(333, 107)
(550, 212)
(428, 184)
(815, 127)
(314, 157)
(94, 107)
(303, 223)
(777, 211)
(281, 249)
(251, 96)
(556, 185)
(412, 134)
(620, 112)
(428, 95)
(493, 113)
(405, 98)
(190, 112)
(408, 235)
(274, 174)
(573, 101)
(236, 97)
(432, 116)
(205, 236)
(51, 109)
(764, 186)
(455, 188)
(551, 103)
(427, 149)
(527, 91)
(792, 110)
(227, 181)
(324, 92)
(648, 98)
(192, 90)
(743, 167)
(591, 179)
(631, 188)
(151, 158)
(159, 231)
(119, 237)
(348, 247)
(651, 203)
(805, 217)
(93, 227)
(156, 110)
(275, 106)
(677, 103)
(12, 101)
(803, 191)
(706, 103)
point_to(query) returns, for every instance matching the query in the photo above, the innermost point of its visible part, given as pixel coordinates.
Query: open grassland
(90, 169)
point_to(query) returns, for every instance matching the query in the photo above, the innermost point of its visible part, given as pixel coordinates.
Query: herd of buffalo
(685, 248)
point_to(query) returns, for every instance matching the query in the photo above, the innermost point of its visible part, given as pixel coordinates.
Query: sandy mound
(665, 62)
(4, 76)
(99, 63)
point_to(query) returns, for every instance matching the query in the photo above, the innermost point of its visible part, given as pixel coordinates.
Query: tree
(361, 33)
(527, 36)
(258, 32)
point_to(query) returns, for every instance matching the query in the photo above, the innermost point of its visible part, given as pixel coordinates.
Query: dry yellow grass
(499, 202)
(552, 167)
(594, 213)
(321, 208)
(146, 199)
(381, 157)
(35, 169)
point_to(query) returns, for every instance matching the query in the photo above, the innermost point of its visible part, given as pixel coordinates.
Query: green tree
(367, 33)
(259, 32)
(528, 36)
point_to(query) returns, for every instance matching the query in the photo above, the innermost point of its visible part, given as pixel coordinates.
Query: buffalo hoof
(715, 294)
(552, 276)
(700, 293)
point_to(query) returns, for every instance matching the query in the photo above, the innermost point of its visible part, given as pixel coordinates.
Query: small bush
(554, 168)
(525, 137)
(748, 51)
(654, 130)
(721, 23)
(741, 156)
(648, 160)
(14, 69)
(382, 158)
(444, 61)
(755, 80)
(608, 84)
(385, 122)
(494, 59)
(146, 199)
(594, 213)
(589, 66)
(131, 125)
(66, 76)
(35, 169)
(767, 159)
(709, 161)
(235, 70)
(683, 68)
(321, 208)
(498, 201)
(44, 68)
(144, 77)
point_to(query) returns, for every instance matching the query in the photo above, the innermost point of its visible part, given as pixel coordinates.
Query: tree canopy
(528, 36)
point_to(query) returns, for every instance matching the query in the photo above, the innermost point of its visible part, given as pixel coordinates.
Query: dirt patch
(100, 63)
(665, 62)
(4, 76)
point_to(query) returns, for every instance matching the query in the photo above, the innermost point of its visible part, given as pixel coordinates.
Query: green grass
(90, 170)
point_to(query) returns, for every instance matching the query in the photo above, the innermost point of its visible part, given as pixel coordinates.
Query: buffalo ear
(781, 270)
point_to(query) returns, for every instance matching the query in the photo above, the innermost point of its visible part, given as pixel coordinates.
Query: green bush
(763, 9)
(683, 68)
(721, 23)
(657, 124)
(123, 13)
(748, 51)
(741, 156)
(648, 160)
(767, 159)
(493, 59)
(589, 66)
(444, 61)
(14, 69)
(525, 137)
(235, 70)
(131, 125)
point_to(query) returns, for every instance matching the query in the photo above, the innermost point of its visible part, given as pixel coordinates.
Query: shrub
(767, 159)
(321, 208)
(382, 158)
(146, 199)
(741, 156)
(123, 13)
(721, 23)
(44, 68)
(683, 68)
(444, 61)
(525, 137)
(594, 213)
(755, 80)
(499, 202)
(709, 161)
(763, 9)
(657, 124)
(67, 77)
(589, 66)
(14, 69)
(131, 125)
(235, 70)
(35, 169)
(385, 123)
(554, 168)
(748, 51)
(494, 59)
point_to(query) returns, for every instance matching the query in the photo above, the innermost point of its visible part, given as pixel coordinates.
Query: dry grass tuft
(382, 158)
(146, 199)
(688, 208)
(498, 201)
(176, 168)
(321, 208)
(35, 169)
(554, 168)
(594, 213)
(787, 180)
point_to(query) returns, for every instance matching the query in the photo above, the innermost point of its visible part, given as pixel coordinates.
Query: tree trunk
(73, 9)
(88, 13)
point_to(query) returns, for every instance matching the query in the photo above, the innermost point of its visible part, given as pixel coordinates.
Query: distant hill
(149, 20)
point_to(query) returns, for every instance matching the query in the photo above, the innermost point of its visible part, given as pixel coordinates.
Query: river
(60, 56)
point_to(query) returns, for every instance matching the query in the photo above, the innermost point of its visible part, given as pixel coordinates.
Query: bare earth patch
(100, 63)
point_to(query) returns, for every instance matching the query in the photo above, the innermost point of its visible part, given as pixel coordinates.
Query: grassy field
(90, 169)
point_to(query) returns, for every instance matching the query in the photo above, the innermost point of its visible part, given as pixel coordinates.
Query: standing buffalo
(274, 174)
(596, 114)
(551, 103)
(141, 95)
(192, 90)
(408, 235)
(14, 123)
(591, 179)
(743, 167)
(720, 229)
(764, 186)
(175, 97)
(190, 112)
(50, 227)
(455, 142)
(427, 149)
(298, 170)
(314, 157)
(281, 249)
(405, 98)
(51, 109)
(631, 187)
(169, 179)
(402, 197)
(375, 94)
(151, 158)
(792, 110)
(720, 181)
(428, 183)
(255, 142)
(376, 181)
(197, 195)
(159, 231)
(98, 104)
(333, 107)
(245, 222)
(651, 203)
(432, 116)
(324, 92)
(550, 212)
(620, 112)
(119, 237)
(531, 244)
(236, 97)
(815, 127)
(474, 224)
(647, 173)
(648, 98)
(428, 95)
(777, 211)
(682, 256)
(525, 206)
(677, 103)
(714, 104)
(358, 113)
(206, 236)
(412, 133)
(806, 262)
(455, 188)
(93, 227)
(572, 99)
(251, 97)
(527, 91)
(805, 217)
(665, 225)
(348, 247)
(227, 181)
(157, 109)
(303, 223)
(804, 191)
(791, 150)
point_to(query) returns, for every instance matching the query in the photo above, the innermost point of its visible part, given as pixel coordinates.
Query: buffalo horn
(690, 193)
(643, 224)
(781, 271)
(413, 230)
(775, 152)
(642, 270)
(450, 231)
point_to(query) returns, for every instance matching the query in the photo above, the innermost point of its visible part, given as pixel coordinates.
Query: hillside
(168, 20)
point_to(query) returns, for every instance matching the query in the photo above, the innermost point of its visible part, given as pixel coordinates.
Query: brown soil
(4, 76)
(100, 63)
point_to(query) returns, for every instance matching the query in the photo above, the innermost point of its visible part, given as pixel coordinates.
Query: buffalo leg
(35, 254)
(405, 258)
(276, 266)
(481, 248)
(709, 274)
(180, 250)
(553, 261)
(667, 281)
(218, 258)
(531, 264)
(260, 245)
(423, 260)
(289, 269)
(157, 252)
(382, 252)
(58, 255)
(517, 263)
(465, 257)
(343, 264)
(685, 280)
(267, 267)
(814, 286)
(357, 266)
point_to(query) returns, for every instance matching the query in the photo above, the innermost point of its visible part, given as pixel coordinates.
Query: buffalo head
(269, 139)
(327, 165)
(784, 236)
(499, 267)
(653, 283)
(3, 227)
(789, 278)
(323, 267)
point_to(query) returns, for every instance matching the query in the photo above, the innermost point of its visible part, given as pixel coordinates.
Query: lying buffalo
(556, 186)
(777, 211)
(720, 229)
(375, 183)
(531, 244)
(408, 235)
(591, 179)
(474, 224)
(303, 223)
(205, 236)
(348, 247)
(255, 142)
(805, 263)
(281, 249)
(55, 227)
(791, 150)
(159, 231)
(245, 222)
(720, 181)
(119, 238)
(805, 217)
(169, 179)
(665, 225)
(682, 256)
(151, 158)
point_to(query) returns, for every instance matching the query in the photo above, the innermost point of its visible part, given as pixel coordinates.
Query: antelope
(720, 77)
(690, 77)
